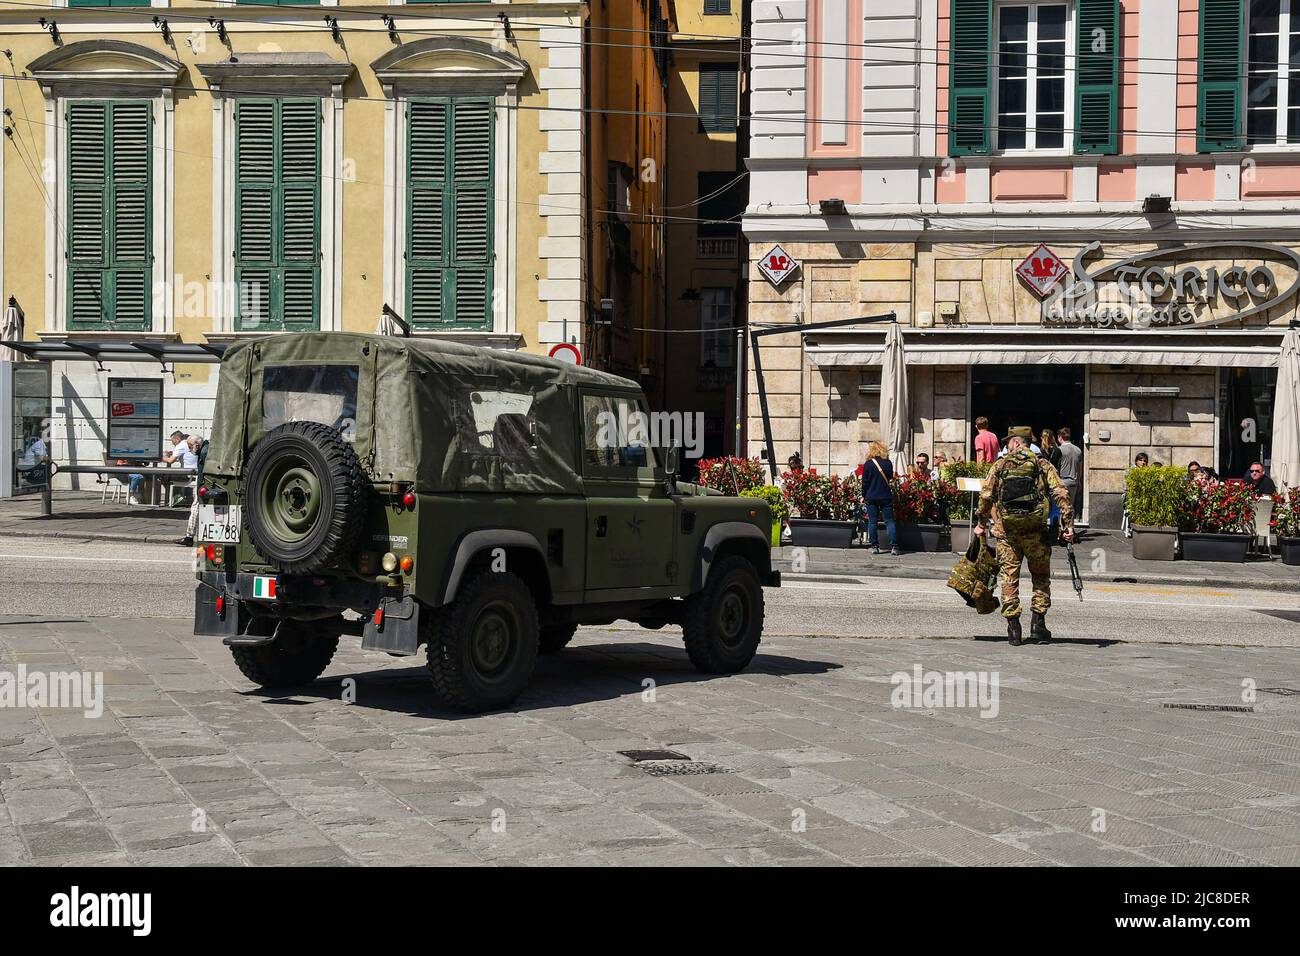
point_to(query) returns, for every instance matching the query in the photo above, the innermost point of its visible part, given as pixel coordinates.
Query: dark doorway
(1041, 396)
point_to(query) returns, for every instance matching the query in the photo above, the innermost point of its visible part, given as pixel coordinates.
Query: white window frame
(1281, 110)
(717, 341)
(1031, 77)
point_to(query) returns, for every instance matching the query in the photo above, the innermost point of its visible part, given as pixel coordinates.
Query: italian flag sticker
(264, 588)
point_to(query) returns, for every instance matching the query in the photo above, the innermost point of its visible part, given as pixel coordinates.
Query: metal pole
(740, 382)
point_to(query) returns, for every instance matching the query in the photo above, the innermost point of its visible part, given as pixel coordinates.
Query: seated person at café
(1260, 482)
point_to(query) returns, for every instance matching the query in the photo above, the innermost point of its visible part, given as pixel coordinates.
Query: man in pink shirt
(986, 443)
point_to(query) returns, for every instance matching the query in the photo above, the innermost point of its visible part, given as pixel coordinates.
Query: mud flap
(398, 632)
(208, 622)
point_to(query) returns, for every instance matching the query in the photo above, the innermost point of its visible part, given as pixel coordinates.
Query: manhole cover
(677, 768)
(1280, 691)
(640, 756)
(1217, 708)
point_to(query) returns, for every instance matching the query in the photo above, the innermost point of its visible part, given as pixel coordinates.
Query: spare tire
(304, 498)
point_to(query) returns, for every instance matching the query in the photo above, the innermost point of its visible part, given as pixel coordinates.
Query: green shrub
(1155, 495)
(776, 501)
(960, 505)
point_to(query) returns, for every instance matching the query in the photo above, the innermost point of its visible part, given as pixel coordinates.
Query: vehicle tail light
(364, 563)
(390, 562)
(379, 617)
(212, 552)
(203, 492)
(408, 499)
(408, 563)
(217, 553)
(221, 605)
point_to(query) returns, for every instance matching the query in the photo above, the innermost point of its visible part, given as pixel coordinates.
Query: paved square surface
(808, 760)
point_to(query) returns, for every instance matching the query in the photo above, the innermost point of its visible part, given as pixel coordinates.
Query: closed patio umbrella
(895, 416)
(11, 330)
(1286, 413)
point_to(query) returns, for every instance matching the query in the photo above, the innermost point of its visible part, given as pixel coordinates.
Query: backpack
(1023, 500)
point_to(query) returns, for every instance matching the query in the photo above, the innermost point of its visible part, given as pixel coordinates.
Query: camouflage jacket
(993, 492)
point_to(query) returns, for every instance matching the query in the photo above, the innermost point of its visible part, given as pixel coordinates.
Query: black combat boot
(1038, 627)
(1013, 631)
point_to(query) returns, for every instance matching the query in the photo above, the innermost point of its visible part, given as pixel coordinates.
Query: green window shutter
(718, 93)
(109, 224)
(712, 7)
(471, 212)
(449, 221)
(970, 77)
(426, 198)
(277, 213)
(1096, 89)
(1219, 118)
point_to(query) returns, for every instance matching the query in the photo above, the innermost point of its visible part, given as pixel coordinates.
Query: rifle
(1075, 576)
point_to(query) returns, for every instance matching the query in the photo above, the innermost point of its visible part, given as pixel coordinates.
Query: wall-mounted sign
(777, 265)
(135, 418)
(1041, 270)
(1200, 285)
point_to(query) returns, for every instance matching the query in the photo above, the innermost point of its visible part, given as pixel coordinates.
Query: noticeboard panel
(135, 419)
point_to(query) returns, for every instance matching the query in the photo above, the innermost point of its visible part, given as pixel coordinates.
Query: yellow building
(628, 63)
(199, 172)
(706, 190)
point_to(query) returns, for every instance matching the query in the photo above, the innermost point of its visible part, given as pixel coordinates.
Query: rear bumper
(224, 607)
(300, 593)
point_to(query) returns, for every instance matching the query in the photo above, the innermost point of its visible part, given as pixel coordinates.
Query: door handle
(602, 525)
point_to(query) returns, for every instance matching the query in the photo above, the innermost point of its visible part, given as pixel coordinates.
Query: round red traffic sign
(566, 353)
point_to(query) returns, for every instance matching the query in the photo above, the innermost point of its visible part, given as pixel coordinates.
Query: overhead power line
(764, 45)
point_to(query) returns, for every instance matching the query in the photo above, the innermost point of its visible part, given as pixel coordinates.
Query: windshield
(311, 393)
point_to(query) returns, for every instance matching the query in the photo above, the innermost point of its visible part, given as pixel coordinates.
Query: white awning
(1021, 353)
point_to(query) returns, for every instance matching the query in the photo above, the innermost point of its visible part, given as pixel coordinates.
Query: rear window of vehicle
(311, 393)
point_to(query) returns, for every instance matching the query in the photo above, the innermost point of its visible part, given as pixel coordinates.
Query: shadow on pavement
(577, 675)
(1001, 638)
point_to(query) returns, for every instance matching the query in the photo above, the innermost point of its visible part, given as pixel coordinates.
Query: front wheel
(723, 623)
(482, 648)
(298, 656)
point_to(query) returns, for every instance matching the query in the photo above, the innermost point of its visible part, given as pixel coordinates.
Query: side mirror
(672, 462)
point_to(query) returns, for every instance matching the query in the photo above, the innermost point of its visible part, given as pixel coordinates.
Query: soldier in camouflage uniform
(1016, 504)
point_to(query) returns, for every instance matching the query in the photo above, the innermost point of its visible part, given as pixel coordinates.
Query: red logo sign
(123, 409)
(777, 265)
(1041, 270)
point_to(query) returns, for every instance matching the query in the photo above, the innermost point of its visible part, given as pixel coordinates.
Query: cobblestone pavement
(1082, 764)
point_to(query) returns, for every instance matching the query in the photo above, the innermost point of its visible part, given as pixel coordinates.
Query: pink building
(1085, 213)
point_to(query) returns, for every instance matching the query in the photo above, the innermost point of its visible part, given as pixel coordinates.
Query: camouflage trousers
(1033, 548)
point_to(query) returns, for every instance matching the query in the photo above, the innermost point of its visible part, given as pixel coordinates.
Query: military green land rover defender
(477, 502)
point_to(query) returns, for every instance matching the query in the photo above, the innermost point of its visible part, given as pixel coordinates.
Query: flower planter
(1155, 544)
(1204, 546)
(1290, 548)
(920, 537)
(960, 534)
(816, 533)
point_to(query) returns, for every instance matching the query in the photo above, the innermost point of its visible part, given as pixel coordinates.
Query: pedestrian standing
(1071, 467)
(1014, 507)
(1050, 449)
(878, 496)
(986, 443)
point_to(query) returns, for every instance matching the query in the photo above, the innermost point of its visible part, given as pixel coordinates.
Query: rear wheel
(482, 647)
(723, 623)
(298, 656)
(555, 637)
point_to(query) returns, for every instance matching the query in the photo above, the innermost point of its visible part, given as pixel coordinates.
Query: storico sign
(1165, 288)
